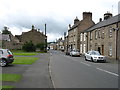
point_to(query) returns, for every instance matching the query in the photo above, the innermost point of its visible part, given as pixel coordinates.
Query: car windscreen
(95, 53)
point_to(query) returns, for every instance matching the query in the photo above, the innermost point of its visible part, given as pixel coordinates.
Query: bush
(41, 46)
(29, 47)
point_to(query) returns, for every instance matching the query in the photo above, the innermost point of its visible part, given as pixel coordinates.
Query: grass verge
(25, 60)
(10, 77)
(6, 87)
(24, 53)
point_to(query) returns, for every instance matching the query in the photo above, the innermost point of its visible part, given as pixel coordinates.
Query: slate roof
(107, 22)
(75, 25)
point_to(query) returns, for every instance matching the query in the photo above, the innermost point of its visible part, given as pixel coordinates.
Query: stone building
(10, 42)
(118, 39)
(104, 36)
(33, 35)
(66, 43)
(16, 42)
(79, 26)
(60, 44)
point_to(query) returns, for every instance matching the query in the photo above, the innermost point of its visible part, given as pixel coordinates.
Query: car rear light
(10, 56)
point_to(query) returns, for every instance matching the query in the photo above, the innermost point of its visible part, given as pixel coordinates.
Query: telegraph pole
(45, 39)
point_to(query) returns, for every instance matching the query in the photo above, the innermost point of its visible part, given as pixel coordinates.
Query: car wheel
(3, 63)
(85, 59)
(92, 59)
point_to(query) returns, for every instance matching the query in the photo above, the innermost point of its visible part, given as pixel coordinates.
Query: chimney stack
(87, 15)
(76, 20)
(100, 19)
(33, 27)
(107, 15)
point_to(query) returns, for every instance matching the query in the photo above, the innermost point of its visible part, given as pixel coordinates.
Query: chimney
(87, 15)
(107, 15)
(33, 27)
(100, 19)
(69, 26)
(76, 20)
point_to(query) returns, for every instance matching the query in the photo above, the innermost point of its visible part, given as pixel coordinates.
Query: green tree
(6, 31)
(41, 46)
(29, 47)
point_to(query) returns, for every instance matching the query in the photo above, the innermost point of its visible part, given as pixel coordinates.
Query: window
(110, 32)
(110, 49)
(99, 34)
(90, 35)
(74, 38)
(81, 37)
(80, 48)
(84, 36)
(75, 30)
(84, 50)
(103, 34)
(96, 34)
(1, 52)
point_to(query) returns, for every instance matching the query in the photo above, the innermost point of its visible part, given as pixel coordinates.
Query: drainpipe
(116, 40)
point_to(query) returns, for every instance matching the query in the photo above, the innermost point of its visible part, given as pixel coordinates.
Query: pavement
(33, 76)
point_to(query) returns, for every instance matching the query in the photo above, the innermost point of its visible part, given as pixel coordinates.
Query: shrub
(29, 47)
(41, 46)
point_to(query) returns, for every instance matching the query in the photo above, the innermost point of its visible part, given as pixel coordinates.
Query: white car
(94, 56)
(6, 57)
(74, 53)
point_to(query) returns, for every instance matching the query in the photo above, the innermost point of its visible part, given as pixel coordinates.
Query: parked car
(94, 56)
(6, 57)
(74, 53)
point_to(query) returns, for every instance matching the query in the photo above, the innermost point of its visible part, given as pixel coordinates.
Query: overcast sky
(20, 15)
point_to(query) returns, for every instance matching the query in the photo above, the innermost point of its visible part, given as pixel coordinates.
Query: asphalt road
(75, 72)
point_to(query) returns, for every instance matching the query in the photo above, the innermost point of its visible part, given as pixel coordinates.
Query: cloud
(20, 15)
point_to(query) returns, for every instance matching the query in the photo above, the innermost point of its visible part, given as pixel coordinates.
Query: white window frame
(84, 36)
(110, 50)
(80, 48)
(81, 36)
(84, 48)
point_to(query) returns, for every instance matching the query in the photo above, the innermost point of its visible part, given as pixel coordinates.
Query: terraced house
(103, 37)
(79, 26)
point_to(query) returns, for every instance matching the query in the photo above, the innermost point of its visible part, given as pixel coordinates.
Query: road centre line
(107, 71)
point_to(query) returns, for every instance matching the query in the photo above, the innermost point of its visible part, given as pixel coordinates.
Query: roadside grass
(6, 87)
(25, 60)
(24, 54)
(10, 77)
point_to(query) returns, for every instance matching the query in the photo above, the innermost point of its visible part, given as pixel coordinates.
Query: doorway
(102, 49)
(99, 50)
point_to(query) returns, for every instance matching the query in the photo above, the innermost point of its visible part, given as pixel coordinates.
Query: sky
(20, 15)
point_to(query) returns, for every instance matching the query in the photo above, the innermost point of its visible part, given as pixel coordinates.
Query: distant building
(16, 42)
(9, 41)
(60, 44)
(33, 35)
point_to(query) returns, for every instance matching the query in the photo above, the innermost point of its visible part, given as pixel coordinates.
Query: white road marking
(108, 72)
(85, 64)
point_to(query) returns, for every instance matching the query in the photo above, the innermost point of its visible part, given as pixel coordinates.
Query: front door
(99, 50)
(102, 49)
